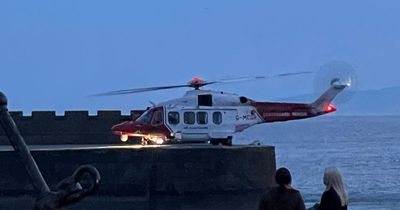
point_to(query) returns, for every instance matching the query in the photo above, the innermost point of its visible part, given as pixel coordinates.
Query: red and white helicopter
(214, 116)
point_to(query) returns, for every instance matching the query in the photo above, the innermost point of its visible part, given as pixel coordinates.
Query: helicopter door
(195, 125)
(222, 123)
(202, 125)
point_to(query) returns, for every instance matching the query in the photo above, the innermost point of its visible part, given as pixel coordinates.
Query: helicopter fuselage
(205, 115)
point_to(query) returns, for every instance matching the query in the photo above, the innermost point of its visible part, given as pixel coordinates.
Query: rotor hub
(197, 82)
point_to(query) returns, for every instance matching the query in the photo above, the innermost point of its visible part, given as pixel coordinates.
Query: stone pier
(148, 177)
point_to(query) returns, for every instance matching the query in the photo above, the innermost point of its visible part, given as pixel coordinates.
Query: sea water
(366, 149)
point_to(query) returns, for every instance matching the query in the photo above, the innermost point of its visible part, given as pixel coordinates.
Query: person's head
(333, 179)
(283, 177)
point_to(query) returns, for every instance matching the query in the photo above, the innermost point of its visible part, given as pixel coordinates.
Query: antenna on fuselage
(152, 103)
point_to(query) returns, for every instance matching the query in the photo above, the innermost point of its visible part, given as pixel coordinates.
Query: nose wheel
(143, 141)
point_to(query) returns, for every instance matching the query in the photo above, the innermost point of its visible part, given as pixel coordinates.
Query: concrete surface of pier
(195, 176)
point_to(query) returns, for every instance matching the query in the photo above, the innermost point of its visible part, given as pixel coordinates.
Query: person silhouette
(335, 196)
(282, 197)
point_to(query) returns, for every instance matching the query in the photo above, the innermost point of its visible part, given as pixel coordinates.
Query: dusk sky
(53, 54)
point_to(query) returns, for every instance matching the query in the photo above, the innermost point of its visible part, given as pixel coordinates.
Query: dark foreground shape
(150, 177)
(68, 191)
(133, 177)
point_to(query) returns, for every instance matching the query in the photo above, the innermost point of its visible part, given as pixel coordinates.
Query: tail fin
(323, 103)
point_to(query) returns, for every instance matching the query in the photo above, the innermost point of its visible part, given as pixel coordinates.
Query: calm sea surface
(365, 149)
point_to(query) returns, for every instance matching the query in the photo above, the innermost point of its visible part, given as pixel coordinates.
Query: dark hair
(283, 177)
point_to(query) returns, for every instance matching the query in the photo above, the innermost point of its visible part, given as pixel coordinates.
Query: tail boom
(275, 112)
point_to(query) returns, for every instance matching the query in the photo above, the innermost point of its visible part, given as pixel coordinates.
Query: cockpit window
(153, 116)
(157, 118)
(145, 118)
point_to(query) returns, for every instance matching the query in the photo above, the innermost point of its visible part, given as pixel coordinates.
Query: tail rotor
(337, 74)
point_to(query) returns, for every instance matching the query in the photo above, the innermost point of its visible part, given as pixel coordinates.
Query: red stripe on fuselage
(273, 112)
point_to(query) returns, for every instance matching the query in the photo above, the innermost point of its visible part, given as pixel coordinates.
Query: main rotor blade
(196, 84)
(139, 90)
(251, 78)
(293, 73)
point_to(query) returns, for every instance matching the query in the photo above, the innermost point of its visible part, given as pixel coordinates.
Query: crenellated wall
(74, 127)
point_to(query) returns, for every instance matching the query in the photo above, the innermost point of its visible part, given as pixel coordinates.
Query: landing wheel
(227, 141)
(135, 140)
(215, 141)
(143, 141)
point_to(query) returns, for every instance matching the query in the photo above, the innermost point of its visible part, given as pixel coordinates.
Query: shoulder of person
(295, 193)
(292, 190)
(268, 192)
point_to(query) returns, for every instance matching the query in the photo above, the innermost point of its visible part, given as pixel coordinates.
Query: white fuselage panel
(226, 116)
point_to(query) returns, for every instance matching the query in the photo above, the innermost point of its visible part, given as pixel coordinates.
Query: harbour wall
(187, 176)
(146, 175)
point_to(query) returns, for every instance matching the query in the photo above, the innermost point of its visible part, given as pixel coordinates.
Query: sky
(53, 54)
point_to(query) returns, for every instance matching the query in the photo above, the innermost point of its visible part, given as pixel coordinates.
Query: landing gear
(225, 142)
(215, 141)
(143, 141)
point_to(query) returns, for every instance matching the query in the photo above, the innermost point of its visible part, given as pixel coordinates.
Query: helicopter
(214, 116)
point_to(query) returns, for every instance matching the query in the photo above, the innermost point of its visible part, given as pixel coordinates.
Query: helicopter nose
(123, 127)
(116, 128)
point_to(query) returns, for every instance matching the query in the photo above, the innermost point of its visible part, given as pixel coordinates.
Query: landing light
(159, 141)
(156, 139)
(123, 138)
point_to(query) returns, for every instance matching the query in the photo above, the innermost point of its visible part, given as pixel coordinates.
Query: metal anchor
(83, 182)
